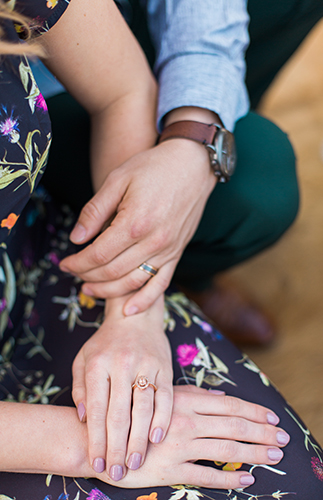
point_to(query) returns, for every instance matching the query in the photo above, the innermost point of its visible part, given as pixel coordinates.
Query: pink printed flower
(317, 466)
(52, 256)
(186, 353)
(3, 305)
(96, 494)
(41, 103)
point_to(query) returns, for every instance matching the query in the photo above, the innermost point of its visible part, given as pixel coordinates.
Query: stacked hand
(121, 417)
(214, 428)
(157, 199)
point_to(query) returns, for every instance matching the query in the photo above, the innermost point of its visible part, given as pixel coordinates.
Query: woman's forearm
(42, 439)
(126, 127)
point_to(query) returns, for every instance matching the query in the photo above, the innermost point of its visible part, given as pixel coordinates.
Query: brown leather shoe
(241, 321)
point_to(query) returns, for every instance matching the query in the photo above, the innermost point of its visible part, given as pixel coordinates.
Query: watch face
(226, 152)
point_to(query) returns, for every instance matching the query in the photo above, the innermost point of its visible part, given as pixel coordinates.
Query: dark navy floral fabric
(45, 318)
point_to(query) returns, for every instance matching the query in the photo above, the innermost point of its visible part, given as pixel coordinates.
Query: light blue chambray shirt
(200, 56)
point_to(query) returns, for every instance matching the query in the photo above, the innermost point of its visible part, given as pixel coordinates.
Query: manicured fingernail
(81, 411)
(215, 391)
(275, 454)
(78, 234)
(134, 461)
(131, 310)
(116, 472)
(98, 465)
(87, 291)
(246, 480)
(282, 437)
(272, 418)
(157, 435)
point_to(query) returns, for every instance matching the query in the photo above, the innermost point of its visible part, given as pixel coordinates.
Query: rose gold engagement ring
(147, 268)
(142, 383)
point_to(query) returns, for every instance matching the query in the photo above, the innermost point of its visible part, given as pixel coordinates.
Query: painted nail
(272, 418)
(78, 234)
(246, 480)
(134, 461)
(157, 435)
(215, 391)
(116, 472)
(98, 465)
(282, 437)
(81, 411)
(131, 310)
(275, 454)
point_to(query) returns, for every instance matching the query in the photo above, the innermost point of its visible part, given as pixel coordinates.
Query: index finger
(108, 245)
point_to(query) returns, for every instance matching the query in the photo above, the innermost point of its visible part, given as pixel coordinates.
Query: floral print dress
(45, 318)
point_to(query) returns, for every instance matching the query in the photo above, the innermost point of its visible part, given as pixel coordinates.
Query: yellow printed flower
(10, 221)
(51, 3)
(229, 466)
(86, 301)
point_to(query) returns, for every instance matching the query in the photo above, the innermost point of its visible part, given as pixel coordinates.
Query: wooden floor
(288, 279)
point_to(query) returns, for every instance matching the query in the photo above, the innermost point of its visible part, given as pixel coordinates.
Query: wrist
(202, 115)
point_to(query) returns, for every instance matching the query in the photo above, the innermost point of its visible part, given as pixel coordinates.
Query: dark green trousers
(261, 201)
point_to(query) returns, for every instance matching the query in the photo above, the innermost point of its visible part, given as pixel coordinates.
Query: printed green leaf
(220, 366)
(203, 353)
(8, 176)
(41, 162)
(200, 377)
(24, 75)
(48, 479)
(29, 149)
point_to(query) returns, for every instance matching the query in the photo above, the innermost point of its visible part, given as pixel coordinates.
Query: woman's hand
(210, 427)
(157, 199)
(120, 420)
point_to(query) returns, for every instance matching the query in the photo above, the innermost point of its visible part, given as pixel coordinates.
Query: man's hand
(156, 200)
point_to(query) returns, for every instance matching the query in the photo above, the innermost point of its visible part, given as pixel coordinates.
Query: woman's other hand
(214, 428)
(121, 419)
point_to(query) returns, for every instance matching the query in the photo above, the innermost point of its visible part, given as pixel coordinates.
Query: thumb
(96, 214)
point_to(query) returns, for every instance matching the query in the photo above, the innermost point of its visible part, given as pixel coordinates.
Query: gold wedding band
(142, 383)
(151, 270)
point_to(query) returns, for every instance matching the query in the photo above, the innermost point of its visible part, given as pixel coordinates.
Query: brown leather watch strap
(189, 129)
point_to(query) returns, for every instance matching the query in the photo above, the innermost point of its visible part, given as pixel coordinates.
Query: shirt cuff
(205, 81)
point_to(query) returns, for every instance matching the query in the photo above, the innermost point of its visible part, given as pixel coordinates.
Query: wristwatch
(218, 141)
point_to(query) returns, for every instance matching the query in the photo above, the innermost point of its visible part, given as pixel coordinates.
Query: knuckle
(163, 282)
(140, 227)
(134, 283)
(144, 406)
(233, 405)
(268, 434)
(91, 210)
(227, 481)
(239, 427)
(260, 455)
(228, 450)
(118, 418)
(98, 254)
(207, 477)
(158, 241)
(96, 413)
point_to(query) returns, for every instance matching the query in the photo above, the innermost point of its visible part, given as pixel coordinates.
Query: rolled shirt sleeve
(200, 55)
